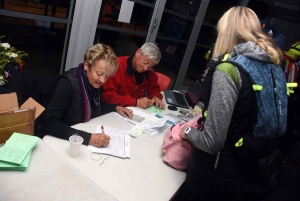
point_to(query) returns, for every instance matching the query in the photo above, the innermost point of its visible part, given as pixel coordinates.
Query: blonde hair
(238, 25)
(101, 52)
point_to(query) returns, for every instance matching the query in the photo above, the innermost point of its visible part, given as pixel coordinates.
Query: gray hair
(152, 51)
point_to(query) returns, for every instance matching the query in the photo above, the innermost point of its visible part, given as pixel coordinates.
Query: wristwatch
(187, 130)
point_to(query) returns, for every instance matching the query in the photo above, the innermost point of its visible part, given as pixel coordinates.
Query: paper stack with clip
(16, 152)
(161, 127)
(141, 121)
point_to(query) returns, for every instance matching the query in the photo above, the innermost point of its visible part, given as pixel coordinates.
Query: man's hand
(99, 140)
(182, 134)
(158, 103)
(143, 103)
(124, 112)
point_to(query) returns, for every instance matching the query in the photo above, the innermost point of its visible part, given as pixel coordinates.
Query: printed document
(118, 145)
(142, 117)
(17, 148)
(150, 124)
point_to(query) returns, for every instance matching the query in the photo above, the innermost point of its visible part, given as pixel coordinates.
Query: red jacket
(121, 89)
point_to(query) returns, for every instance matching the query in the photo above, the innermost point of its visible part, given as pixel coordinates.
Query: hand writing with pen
(145, 102)
(101, 139)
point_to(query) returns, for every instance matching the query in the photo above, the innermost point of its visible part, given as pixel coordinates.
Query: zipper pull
(275, 85)
(279, 103)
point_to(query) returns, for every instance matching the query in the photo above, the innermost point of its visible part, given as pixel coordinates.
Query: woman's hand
(182, 134)
(99, 140)
(124, 112)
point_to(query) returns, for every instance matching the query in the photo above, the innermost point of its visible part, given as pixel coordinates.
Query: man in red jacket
(135, 82)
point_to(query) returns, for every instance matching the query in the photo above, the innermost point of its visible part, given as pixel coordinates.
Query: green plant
(8, 54)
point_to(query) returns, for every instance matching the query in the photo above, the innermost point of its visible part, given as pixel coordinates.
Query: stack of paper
(140, 117)
(172, 118)
(149, 124)
(156, 131)
(118, 145)
(16, 152)
(141, 121)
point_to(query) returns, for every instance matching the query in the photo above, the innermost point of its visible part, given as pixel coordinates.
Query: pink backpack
(176, 152)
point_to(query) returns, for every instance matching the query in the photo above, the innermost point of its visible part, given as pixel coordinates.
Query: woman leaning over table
(215, 170)
(77, 97)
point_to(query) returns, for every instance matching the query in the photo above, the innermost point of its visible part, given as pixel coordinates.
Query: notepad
(16, 152)
(11, 166)
(118, 145)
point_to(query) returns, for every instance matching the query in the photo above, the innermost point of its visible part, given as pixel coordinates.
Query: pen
(102, 128)
(145, 92)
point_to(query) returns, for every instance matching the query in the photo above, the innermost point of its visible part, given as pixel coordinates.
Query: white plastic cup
(75, 144)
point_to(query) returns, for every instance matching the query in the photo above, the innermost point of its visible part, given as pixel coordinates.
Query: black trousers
(197, 187)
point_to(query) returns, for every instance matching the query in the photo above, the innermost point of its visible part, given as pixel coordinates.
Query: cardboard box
(15, 119)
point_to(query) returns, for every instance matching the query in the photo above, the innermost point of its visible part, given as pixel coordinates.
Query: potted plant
(9, 54)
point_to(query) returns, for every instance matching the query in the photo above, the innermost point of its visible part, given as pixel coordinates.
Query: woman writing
(77, 97)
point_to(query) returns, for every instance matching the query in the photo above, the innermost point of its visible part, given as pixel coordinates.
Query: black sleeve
(57, 106)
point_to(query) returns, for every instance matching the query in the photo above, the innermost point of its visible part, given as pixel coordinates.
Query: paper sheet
(126, 11)
(149, 119)
(17, 148)
(136, 130)
(119, 144)
(11, 166)
(155, 110)
(172, 119)
(151, 125)
(160, 131)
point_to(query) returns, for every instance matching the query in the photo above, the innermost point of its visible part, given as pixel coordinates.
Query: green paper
(137, 130)
(16, 152)
(11, 166)
(155, 110)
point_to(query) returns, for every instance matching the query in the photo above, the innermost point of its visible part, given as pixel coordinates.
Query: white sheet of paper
(157, 132)
(136, 130)
(118, 145)
(126, 11)
(149, 120)
(159, 124)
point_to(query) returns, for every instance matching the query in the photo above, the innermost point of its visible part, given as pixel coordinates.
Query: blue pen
(145, 92)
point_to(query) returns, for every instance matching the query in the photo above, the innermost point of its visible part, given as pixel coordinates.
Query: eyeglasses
(146, 63)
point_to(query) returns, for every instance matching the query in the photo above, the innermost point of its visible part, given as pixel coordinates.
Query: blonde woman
(216, 171)
(77, 97)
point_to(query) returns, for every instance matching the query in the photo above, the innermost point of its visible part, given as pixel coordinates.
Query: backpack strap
(290, 85)
(237, 138)
(294, 46)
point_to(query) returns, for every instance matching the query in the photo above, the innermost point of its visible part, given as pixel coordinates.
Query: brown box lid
(32, 103)
(8, 102)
